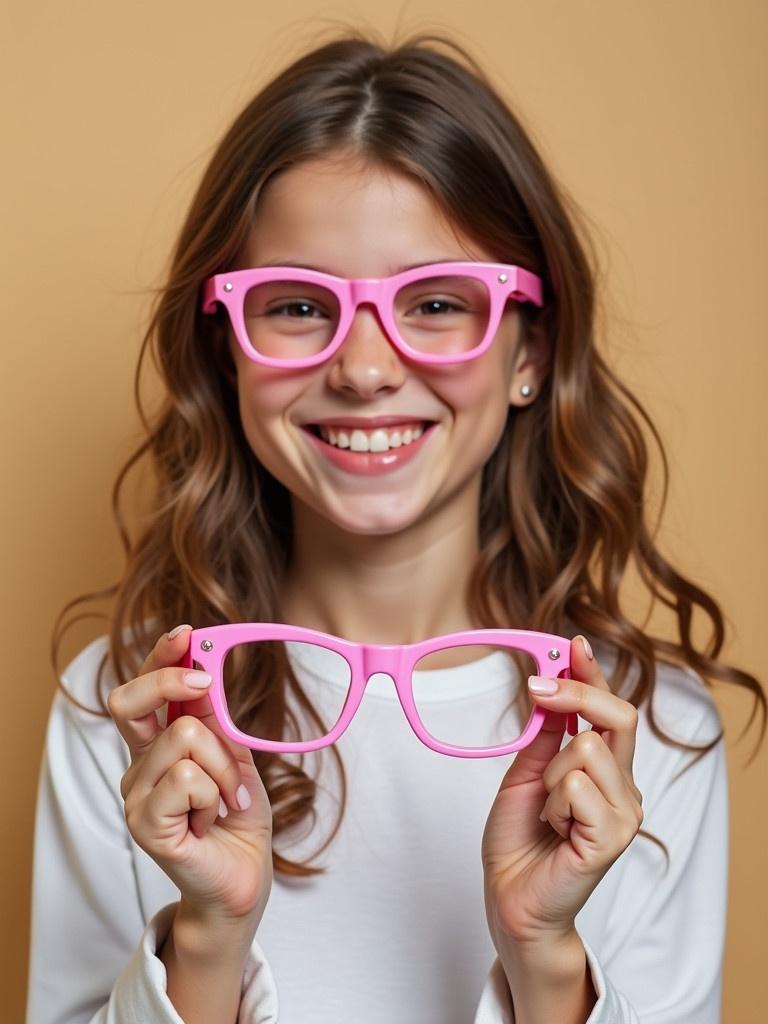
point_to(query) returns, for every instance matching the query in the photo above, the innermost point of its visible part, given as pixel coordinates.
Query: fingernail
(587, 647)
(223, 812)
(197, 679)
(545, 686)
(243, 798)
(177, 629)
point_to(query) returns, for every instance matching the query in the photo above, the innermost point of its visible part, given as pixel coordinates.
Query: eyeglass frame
(503, 281)
(210, 645)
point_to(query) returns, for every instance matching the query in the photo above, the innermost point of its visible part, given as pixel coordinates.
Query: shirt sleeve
(92, 954)
(664, 942)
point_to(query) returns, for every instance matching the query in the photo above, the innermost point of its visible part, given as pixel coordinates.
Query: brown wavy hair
(552, 558)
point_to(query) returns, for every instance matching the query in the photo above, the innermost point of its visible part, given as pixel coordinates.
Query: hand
(539, 874)
(181, 794)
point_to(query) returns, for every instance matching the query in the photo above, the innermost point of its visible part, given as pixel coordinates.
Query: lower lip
(370, 463)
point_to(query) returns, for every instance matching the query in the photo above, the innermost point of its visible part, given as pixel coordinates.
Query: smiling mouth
(381, 439)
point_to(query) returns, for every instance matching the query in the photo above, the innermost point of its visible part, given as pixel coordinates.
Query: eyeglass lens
(288, 319)
(456, 706)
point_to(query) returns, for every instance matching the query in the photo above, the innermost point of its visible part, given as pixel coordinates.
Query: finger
(168, 649)
(588, 694)
(184, 789)
(578, 811)
(589, 753)
(188, 739)
(201, 819)
(133, 705)
(577, 799)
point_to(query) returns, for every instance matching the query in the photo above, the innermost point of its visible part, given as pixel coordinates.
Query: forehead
(353, 219)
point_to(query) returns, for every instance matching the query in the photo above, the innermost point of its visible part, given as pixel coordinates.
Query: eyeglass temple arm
(572, 719)
(209, 300)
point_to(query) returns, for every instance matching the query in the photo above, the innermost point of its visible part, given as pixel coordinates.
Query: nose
(366, 362)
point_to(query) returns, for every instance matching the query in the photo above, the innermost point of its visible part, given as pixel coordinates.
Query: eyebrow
(324, 270)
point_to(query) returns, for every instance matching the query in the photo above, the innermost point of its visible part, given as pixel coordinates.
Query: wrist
(549, 978)
(552, 955)
(208, 936)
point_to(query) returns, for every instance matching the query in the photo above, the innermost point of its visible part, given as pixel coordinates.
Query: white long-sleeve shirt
(395, 929)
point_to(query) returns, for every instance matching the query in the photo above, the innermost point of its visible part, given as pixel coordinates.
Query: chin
(374, 525)
(372, 517)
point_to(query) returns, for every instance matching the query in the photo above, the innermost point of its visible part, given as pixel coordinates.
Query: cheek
(480, 402)
(480, 390)
(266, 397)
(262, 401)
(264, 393)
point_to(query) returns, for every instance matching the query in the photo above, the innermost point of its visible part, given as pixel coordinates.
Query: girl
(313, 470)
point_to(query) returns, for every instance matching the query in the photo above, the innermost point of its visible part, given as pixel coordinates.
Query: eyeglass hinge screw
(207, 645)
(228, 286)
(502, 278)
(553, 653)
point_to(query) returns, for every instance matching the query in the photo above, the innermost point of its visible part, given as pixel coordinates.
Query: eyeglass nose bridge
(365, 289)
(369, 291)
(381, 658)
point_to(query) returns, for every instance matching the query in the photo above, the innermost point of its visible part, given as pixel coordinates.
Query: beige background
(654, 116)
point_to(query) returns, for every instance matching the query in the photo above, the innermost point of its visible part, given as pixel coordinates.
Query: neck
(397, 588)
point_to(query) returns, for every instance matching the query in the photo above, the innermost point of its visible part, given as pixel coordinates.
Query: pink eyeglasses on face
(436, 313)
(346, 668)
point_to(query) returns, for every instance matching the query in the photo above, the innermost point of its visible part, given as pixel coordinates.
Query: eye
(301, 310)
(433, 306)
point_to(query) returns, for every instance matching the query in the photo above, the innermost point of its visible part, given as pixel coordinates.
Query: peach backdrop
(654, 117)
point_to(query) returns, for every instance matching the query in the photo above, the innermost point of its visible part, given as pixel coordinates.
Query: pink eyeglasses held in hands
(434, 313)
(209, 647)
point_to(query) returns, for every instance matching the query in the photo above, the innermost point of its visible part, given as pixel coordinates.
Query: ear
(531, 362)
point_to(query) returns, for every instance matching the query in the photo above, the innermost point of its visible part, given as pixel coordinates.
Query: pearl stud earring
(526, 390)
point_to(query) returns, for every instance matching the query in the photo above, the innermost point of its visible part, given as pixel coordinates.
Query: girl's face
(369, 221)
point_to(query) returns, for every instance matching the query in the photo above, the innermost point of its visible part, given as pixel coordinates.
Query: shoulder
(680, 702)
(81, 738)
(683, 705)
(79, 703)
(677, 718)
(84, 756)
(81, 676)
(90, 675)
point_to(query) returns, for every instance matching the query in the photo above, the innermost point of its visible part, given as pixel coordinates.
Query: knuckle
(184, 772)
(114, 698)
(628, 833)
(131, 812)
(125, 784)
(626, 829)
(630, 716)
(573, 782)
(588, 742)
(579, 693)
(186, 730)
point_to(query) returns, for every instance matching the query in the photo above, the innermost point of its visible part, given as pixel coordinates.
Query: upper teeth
(379, 440)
